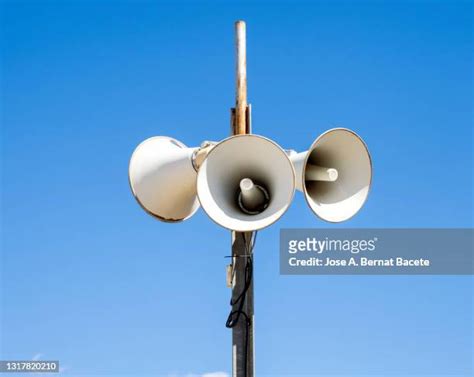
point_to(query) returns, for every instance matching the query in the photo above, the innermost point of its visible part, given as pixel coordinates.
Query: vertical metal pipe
(240, 79)
(242, 336)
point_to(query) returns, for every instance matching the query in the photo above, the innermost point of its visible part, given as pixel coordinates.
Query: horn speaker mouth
(338, 200)
(235, 159)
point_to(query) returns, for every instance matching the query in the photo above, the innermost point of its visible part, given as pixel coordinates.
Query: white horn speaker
(334, 174)
(246, 183)
(163, 179)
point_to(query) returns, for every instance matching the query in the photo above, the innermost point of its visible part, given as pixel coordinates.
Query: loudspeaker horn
(162, 177)
(246, 183)
(334, 175)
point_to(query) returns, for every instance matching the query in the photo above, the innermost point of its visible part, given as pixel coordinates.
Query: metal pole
(240, 80)
(242, 332)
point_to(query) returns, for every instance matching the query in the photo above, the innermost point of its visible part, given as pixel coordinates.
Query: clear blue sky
(88, 278)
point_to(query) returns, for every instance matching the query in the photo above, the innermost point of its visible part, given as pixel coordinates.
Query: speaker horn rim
(283, 152)
(313, 145)
(179, 144)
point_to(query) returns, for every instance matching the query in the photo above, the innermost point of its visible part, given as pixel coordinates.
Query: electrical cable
(234, 315)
